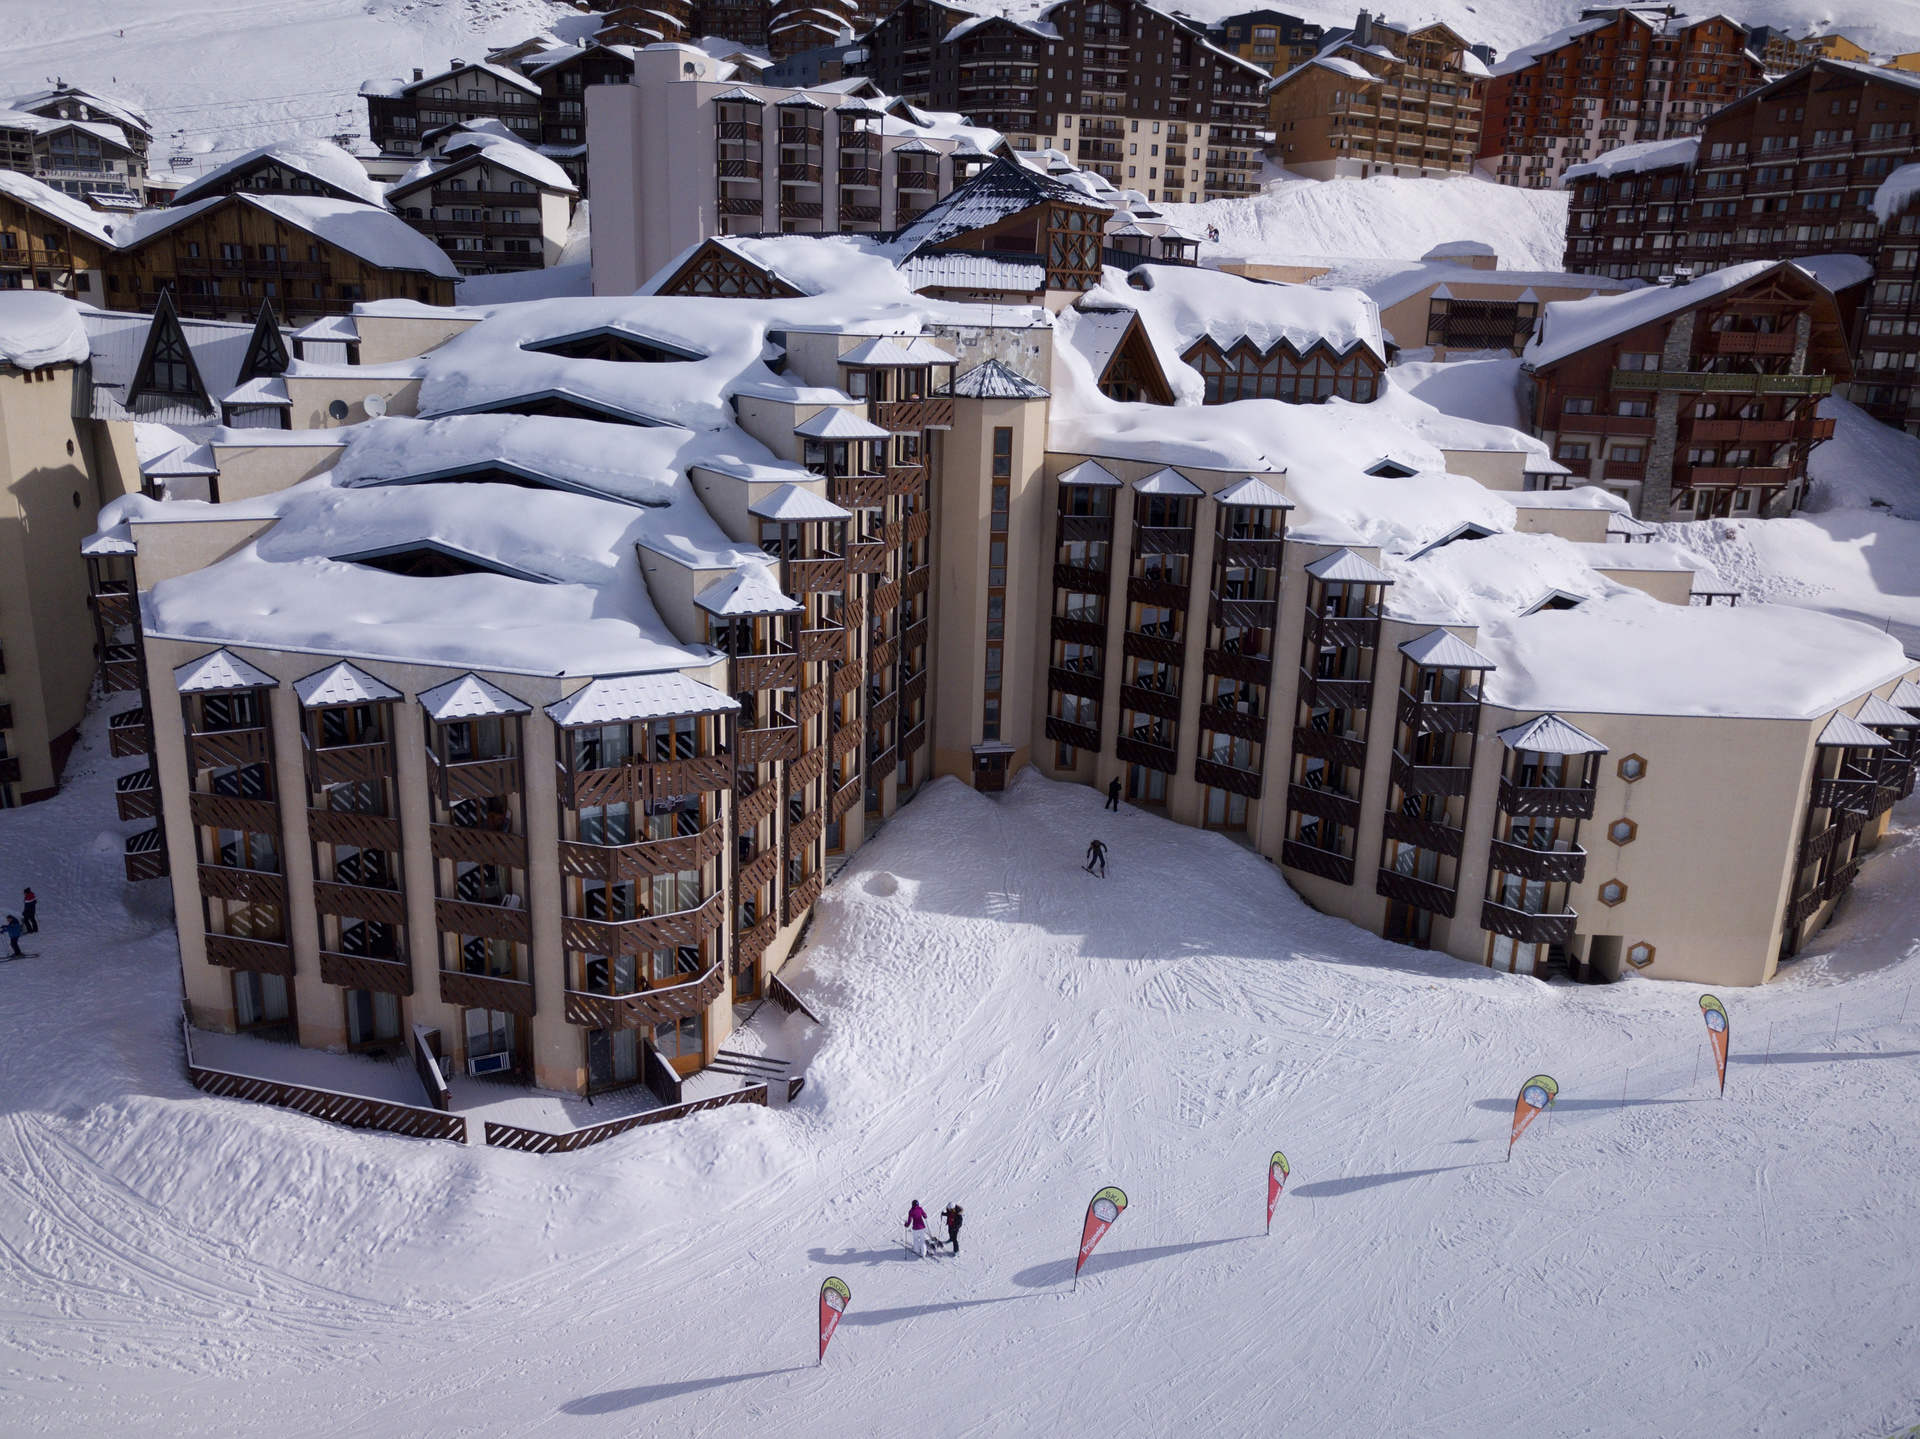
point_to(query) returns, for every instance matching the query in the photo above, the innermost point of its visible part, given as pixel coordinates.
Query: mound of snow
(40, 328)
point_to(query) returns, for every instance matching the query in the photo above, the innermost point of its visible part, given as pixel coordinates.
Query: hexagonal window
(1640, 954)
(1612, 892)
(1622, 831)
(1632, 767)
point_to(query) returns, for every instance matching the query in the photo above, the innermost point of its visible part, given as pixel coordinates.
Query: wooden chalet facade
(1243, 371)
(41, 248)
(488, 214)
(718, 269)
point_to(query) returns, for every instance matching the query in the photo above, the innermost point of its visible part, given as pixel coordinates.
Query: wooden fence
(778, 992)
(538, 1141)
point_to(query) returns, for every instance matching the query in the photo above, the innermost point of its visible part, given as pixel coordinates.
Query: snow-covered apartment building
(538, 710)
(89, 147)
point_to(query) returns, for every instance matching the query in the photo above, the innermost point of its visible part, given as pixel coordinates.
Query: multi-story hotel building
(1620, 77)
(1795, 169)
(1271, 39)
(1382, 100)
(1691, 401)
(86, 146)
(1131, 93)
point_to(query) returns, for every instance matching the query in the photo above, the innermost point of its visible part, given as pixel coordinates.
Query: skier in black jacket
(953, 1216)
(1097, 854)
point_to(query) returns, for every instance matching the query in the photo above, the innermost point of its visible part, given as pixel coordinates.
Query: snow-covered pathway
(1006, 1031)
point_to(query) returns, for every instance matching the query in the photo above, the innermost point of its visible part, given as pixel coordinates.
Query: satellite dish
(337, 410)
(375, 406)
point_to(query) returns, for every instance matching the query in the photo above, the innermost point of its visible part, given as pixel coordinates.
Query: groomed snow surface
(1006, 1031)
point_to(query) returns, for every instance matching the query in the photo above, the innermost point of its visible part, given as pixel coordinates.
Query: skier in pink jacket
(917, 1223)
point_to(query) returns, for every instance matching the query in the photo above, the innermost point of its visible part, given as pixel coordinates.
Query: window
(1631, 768)
(998, 510)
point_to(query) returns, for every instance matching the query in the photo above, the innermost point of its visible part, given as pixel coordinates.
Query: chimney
(418, 73)
(1363, 28)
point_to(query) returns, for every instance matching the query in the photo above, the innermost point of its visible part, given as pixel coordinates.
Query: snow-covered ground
(1009, 1032)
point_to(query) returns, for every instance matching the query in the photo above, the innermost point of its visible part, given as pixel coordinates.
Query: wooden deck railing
(539, 1141)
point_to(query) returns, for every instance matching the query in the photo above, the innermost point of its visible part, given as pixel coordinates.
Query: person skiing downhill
(917, 1222)
(28, 904)
(12, 931)
(953, 1217)
(1097, 855)
(1113, 794)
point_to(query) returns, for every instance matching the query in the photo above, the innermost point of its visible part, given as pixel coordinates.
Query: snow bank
(1890, 197)
(1485, 388)
(40, 328)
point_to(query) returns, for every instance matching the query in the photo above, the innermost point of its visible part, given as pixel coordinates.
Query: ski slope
(1006, 1031)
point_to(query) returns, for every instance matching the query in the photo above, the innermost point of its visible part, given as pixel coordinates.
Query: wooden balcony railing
(362, 971)
(1148, 753)
(1436, 779)
(1085, 683)
(362, 831)
(497, 777)
(1159, 648)
(1225, 719)
(1324, 863)
(1242, 665)
(1340, 694)
(801, 897)
(120, 668)
(1436, 835)
(845, 797)
(242, 886)
(1244, 614)
(349, 764)
(1327, 804)
(473, 845)
(1228, 777)
(757, 873)
(805, 832)
(755, 805)
(765, 672)
(1725, 477)
(1078, 735)
(145, 856)
(1344, 749)
(1715, 383)
(1749, 342)
(486, 991)
(647, 933)
(128, 734)
(359, 901)
(1426, 716)
(232, 951)
(806, 769)
(906, 417)
(642, 859)
(1154, 702)
(1260, 553)
(824, 645)
(1081, 632)
(648, 1007)
(1420, 893)
(223, 749)
(817, 575)
(1755, 432)
(1855, 794)
(749, 944)
(1146, 590)
(1344, 631)
(1554, 865)
(766, 746)
(482, 921)
(231, 811)
(1083, 578)
(1574, 803)
(1526, 927)
(135, 797)
(116, 609)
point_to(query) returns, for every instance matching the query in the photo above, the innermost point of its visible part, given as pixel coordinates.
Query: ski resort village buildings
(89, 147)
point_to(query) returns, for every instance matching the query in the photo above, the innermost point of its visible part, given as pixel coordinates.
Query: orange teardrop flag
(1535, 1095)
(1715, 1014)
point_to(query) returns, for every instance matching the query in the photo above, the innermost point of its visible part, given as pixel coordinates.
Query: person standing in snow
(917, 1222)
(1113, 794)
(953, 1216)
(1097, 855)
(12, 932)
(28, 904)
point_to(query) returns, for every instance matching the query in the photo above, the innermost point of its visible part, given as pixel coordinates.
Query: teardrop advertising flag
(1277, 1171)
(1104, 1208)
(1715, 1014)
(1535, 1095)
(834, 1299)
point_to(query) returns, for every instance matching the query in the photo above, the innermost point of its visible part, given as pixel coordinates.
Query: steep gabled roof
(1443, 650)
(1843, 732)
(220, 672)
(1549, 734)
(624, 699)
(342, 684)
(331, 167)
(1004, 188)
(470, 697)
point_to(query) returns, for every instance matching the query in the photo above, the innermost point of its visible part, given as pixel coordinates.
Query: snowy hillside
(219, 77)
(1005, 1031)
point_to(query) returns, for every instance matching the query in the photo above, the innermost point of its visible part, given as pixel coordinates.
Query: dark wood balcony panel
(1078, 735)
(1086, 683)
(1438, 716)
(1541, 800)
(482, 921)
(882, 658)
(904, 417)
(145, 856)
(1518, 924)
(802, 896)
(1260, 554)
(1146, 590)
(1324, 863)
(809, 702)
(882, 761)
(827, 645)
(767, 746)
(120, 668)
(676, 778)
(642, 859)
(1162, 540)
(1079, 632)
(361, 971)
(1334, 748)
(750, 809)
(486, 991)
(1427, 833)
(128, 734)
(817, 576)
(1437, 779)
(1245, 614)
(866, 559)
(1225, 719)
(1554, 865)
(1326, 804)
(740, 204)
(350, 764)
(757, 873)
(1154, 647)
(228, 749)
(914, 738)
(918, 526)
(478, 846)
(749, 944)
(1254, 669)
(1150, 701)
(359, 901)
(906, 479)
(914, 689)
(1336, 693)
(845, 681)
(231, 811)
(361, 831)
(882, 712)
(260, 956)
(886, 597)
(642, 935)
(1420, 893)
(1228, 777)
(242, 886)
(1089, 529)
(647, 1008)
(116, 610)
(1145, 752)
(1855, 795)
(135, 797)
(766, 672)
(497, 777)
(845, 798)
(1841, 880)
(1345, 632)
(1082, 578)
(806, 769)
(803, 833)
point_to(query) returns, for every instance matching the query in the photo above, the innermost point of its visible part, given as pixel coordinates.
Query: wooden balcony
(1855, 794)
(883, 657)
(1701, 477)
(914, 636)
(642, 859)
(145, 856)
(1541, 800)
(907, 417)
(638, 781)
(349, 764)
(1431, 834)
(1753, 432)
(1436, 779)
(757, 873)
(845, 797)
(486, 991)
(803, 833)
(1324, 863)
(1327, 804)
(1163, 539)
(135, 797)
(497, 777)
(647, 933)
(1708, 382)
(128, 734)
(766, 672)
(1425, 716)
(1158, 648)
(648, 1007)
(1225, 719)
(360, 901)
(260, 956)
(1079, 632)
(1340, 694)
(1228, 777)
(120, 668)
(769, 745)
(473, 845)
(1078, 735)
(914, 738)
(906, 479)
(362, 971)
(806, 769)
(863, 558)
(1086, 683)
(914, 582)
(1244, 614)
(751, 807)
(482, 921)
(228, 749)
(361, 831)
(242, 886)
(1343, 631)
(224, 811)
(1154, 702)
(740, 169)
(1341, 749)
(1420, 893)
(1083, 578)
(817, 576)
(1263, 554)
(1088, 529)
(1528, 928)
(885, 597)
(750, 944)
(826, 645)
(1143, 590)
(740, 204)
(1239, 665)
(1749, 342)
(802, 896)
(882, 712)
(845, 681)
(1147, 753)
(1554, 865)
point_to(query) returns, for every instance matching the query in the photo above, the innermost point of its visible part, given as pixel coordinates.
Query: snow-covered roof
(1527, 54)
(1089, 472)
(57, 206)
(1549, 734)
(1569, 326)
(792, 504)
(1876, 711)
(1462, 250)
(1632, 159)
(181, 460)
(991, 380)
(1253, 493)
(317, 159)
(342, 684)
(118, 340)
(1906, 695)
(749, 590)
(628, 699)
(1842, 732)
(837, 424)
(471, 149)
(470, 697)
(1182, 304)
(1891, 195)
(962, 270)
(218, 672)
(39, 328)
(375, 235)
(1167, 481)
(261, 390)
(112, 540)
(338, 329)
(1837, 272)
(1345, 566)
(1443, 650)
(886, 351)
(1003, 188)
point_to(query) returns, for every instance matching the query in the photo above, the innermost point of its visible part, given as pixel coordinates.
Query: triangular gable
(1135, 366)
(266, 350)
(720, 270)
(166, 365)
